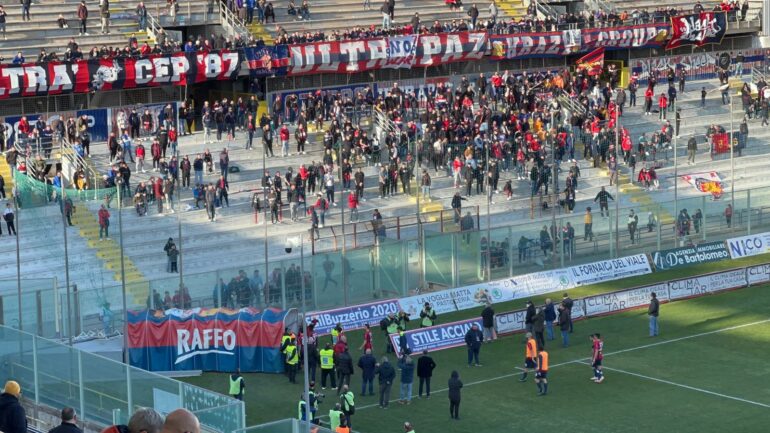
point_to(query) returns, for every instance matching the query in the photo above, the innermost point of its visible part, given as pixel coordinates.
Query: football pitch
(708, 371)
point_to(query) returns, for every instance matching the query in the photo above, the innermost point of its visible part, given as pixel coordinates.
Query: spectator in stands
(386, 21)
(69, 421)
(104, 12)
(473, 12)
(492, 12)
(141, 16)
(25, 5)
(83, 17)
(3, 18)
(180, 421)
(18, 59)
(13, 418)
(269, 12)
(62, 22)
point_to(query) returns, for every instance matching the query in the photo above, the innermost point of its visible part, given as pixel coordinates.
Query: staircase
(5, 171)
(515, 9)
(236, 26)
(640, 196)
(87, 221)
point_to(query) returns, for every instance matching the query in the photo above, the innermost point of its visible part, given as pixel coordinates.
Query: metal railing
(232, 24)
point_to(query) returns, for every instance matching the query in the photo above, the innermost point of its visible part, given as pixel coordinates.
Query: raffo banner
(395, 52)
(216, 339)
(82, 76)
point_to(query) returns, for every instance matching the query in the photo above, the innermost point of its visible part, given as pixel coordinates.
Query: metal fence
(102, 390)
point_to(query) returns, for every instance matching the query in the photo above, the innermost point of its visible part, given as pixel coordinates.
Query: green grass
(731, 362)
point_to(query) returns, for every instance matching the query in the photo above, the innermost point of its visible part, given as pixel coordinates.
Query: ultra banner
(554, 44)
(697, 29)
(363, 55)
(208, 339)
(54, 78)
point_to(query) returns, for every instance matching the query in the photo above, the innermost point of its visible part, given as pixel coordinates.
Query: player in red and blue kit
(597, 357)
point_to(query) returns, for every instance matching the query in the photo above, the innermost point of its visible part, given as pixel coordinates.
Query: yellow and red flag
(593, 62)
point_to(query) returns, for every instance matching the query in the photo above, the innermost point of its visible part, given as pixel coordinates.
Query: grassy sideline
(270, 397)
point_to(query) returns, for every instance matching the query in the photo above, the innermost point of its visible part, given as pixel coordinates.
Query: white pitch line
(680, 385)
(582, 360)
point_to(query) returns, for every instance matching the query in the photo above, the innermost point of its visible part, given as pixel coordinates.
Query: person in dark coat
(564, 322)
(455, 385)
(367, 364)
(13, 419)
(529, 316)
(344, 364)
(538, 325)
(473, 339)
(425, 366)
(488, 323)
(386, 374)
(68, 422)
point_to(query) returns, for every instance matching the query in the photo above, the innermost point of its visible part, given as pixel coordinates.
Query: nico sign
(746, 246)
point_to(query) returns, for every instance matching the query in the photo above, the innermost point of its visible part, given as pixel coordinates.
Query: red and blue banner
(353, 317)
(697, 29)
(437, 337)
(82, 76)
(267, 60)
(208, 339)
(624, 37)
(362, 55)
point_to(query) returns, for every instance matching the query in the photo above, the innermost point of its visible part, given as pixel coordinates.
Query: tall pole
(732, 159)
(14, 192)
(345, 276)
(123, 276)
(264, 193)
(488, 251)
(420, 282)
(617, 182)
(304, 332)
(65, 224)
(555, 189)
(676, 166)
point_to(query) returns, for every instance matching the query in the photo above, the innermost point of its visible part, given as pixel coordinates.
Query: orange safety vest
(542, 361)
(531, 348)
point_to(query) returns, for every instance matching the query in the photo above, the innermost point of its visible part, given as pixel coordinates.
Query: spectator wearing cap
(69, 421)
(13, 419)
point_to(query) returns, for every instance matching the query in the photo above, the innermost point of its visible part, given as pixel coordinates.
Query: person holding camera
(427, 316)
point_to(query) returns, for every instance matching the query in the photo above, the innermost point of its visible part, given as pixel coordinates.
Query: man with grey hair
(145, 420)
(68, 422)
(385, 374)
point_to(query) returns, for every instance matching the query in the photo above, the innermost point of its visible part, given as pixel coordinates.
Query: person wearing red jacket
(284, 135)
(24, 127)
(662, 105)
(648, 94)
(172, 139)
(140, 152)
(157, 188)
(155, 151)
(353, 206)
(104, 223)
